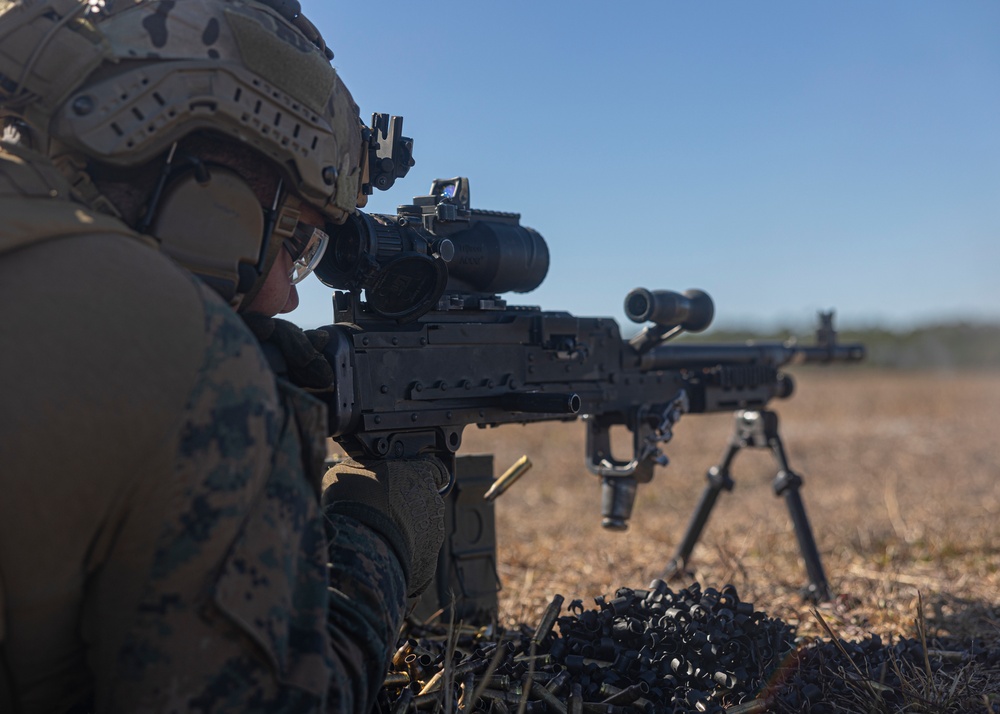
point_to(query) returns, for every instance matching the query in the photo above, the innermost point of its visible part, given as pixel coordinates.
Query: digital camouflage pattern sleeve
(367, 588)
(295, 616)
(367, 600)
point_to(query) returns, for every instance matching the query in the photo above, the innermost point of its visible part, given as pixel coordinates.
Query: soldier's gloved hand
(400, 501)
(300, 348)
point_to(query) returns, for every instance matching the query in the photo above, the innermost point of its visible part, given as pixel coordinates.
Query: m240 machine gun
(424, 345)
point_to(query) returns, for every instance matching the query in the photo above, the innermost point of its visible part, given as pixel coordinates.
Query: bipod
(757, 429)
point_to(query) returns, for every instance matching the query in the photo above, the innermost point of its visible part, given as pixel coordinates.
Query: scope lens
(637, 306)
(346, 251)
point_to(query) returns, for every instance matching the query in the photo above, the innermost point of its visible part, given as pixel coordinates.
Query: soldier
(168, 168)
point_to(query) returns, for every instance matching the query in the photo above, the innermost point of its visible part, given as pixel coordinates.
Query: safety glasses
(306, 245)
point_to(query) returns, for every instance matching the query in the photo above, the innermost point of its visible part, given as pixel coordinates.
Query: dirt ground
(902, 485)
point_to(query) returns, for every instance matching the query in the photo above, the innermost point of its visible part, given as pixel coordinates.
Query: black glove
(306, 367)
(399, 500)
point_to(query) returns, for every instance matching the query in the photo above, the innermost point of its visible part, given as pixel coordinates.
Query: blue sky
(783, 156)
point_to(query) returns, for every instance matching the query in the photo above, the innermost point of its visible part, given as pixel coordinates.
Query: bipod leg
(718, 480)
(787, 483)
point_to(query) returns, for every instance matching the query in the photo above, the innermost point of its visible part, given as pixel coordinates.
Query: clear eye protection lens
(306, 246)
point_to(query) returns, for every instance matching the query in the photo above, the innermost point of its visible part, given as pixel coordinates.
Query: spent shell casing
(501, 696)
(577, 662)
(557, 685)
(397, 658)
(466, 701)
(548, 619)
(403, 703)
(576, 699)
(754, 706)
(419, 660)
(537, 659)
(424, 658)
(550, 699)
(427, 701)
(520, 467)
(624, 696)
(396, 679)
(609, 690)
(499, 681)
(433, 684)
(473, 665)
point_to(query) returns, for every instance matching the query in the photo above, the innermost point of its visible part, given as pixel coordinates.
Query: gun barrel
(853, 352)
(775, 354)
(675, 356)
(542, 403)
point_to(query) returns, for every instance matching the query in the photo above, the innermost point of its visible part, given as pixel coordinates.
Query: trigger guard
(446, 489)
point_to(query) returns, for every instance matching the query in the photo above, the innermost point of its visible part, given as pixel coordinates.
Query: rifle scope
(406, 262)
(693, 310)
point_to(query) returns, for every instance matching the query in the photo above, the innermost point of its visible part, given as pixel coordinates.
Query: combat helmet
(120, 82)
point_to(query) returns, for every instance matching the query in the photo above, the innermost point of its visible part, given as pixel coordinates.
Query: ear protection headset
(208, 219)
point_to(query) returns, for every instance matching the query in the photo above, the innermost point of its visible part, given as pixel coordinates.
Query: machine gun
(432, 347)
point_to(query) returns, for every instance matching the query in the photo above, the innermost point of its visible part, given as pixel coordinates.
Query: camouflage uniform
(161, 542)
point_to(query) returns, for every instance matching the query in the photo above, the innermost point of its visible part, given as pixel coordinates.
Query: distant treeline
(946, 346)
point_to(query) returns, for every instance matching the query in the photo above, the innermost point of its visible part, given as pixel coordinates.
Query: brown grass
(902, 485)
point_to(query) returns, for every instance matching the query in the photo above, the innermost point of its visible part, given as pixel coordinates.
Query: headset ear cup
(214, 227)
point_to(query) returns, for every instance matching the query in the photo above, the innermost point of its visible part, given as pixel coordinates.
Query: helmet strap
(279, 226)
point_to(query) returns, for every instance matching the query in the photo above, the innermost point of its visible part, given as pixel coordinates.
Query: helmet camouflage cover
(120, 81)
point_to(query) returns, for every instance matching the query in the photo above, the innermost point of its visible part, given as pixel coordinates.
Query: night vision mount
(390, 154)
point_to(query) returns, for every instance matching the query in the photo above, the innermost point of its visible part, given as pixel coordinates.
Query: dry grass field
(902, 485)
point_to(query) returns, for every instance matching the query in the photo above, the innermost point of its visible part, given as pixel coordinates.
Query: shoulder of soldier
(118, 351)
(26, 172)
(38, 204)
(84, 281)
